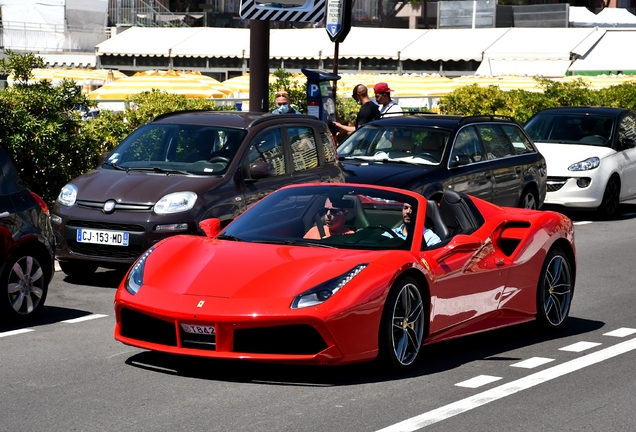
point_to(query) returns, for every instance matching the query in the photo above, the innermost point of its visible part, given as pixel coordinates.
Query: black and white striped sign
(285, 10)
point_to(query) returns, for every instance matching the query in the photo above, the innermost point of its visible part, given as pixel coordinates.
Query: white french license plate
(197, 329)
(115, 238)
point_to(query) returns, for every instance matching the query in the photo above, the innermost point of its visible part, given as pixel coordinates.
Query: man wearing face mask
(282, 102)
(368, 112)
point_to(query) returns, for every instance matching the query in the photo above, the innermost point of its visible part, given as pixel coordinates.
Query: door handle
(5, 214)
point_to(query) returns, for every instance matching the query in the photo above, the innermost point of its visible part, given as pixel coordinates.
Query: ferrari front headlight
(135, 278)
(587, 164)
(325, 290)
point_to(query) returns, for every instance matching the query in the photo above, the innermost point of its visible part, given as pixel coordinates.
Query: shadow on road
(48, 315)
(435, 358)
(625, 211)
(100, 279)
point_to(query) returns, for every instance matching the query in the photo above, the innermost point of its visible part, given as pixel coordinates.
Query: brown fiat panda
(178, 169)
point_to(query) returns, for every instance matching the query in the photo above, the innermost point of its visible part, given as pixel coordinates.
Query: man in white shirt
(402, 231)
(383, 98)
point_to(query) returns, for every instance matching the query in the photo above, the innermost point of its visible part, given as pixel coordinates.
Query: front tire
(555, 289)
(403, 325)
(611, 198)
(24, 285)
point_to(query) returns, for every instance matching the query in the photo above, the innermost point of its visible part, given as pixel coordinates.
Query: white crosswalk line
(84, 318)
(532, 362)
(478, 381)
(15, 332)
(579, 346)
(621, 332)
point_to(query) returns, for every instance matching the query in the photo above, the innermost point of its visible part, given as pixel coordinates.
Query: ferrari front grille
(291, 339)
(556, 183)
(139, 326)
(198, 341)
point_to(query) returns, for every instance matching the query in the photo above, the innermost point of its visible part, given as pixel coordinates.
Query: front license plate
(115, 238)
(197, 329)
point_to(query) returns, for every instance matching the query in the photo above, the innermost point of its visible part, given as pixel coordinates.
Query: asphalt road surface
(65, 372)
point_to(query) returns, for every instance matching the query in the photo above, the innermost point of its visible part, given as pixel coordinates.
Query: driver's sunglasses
(334, 211)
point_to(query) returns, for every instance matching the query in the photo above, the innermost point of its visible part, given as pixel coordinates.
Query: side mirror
(461, 243)
(628, 143)
(259, 170)
(458, 160)
(211, 227)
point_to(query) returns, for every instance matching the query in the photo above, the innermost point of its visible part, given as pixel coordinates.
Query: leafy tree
(473, 100)
(297, 92)
(40, 125)
(623, 95)
(570, 93)
(521, 104)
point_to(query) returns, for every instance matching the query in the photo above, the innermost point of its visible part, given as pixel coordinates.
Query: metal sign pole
(335, 69)
(338, 25)
(259, 66)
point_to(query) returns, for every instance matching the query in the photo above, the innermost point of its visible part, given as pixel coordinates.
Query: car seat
(433, 145)
(356, 217)
(401, 147)
(459, 214)
(434, 221)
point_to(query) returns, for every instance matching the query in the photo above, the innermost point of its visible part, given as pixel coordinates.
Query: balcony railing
(147, 14)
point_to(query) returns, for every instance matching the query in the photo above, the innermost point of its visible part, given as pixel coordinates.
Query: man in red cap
(383, 98)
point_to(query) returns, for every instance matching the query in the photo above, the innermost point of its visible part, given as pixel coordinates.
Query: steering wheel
(383, 228)
(219, 159)
(598, 139)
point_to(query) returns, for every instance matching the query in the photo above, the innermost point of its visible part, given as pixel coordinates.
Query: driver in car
(332, 220)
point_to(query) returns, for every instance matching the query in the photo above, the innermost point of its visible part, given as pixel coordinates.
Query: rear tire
(403, 325)
(529, 199)
(24, 285)
(555, 289)
(78, 268)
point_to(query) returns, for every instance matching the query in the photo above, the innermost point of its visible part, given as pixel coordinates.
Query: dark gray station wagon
(181, 168)
(490, 157)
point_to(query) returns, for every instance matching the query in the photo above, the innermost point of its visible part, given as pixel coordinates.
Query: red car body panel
(476, 282)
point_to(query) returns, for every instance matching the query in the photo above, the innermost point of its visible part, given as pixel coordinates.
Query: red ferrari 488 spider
(341, 273)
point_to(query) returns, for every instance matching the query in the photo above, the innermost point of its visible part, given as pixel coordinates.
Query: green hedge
(522, 104)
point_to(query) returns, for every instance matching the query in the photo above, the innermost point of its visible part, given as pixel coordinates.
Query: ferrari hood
(559, 157)
(393, 174)
(228, 269)
(137, 186)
